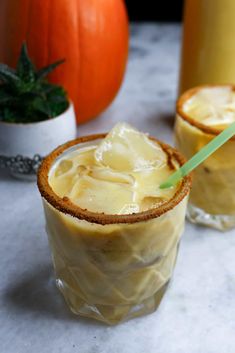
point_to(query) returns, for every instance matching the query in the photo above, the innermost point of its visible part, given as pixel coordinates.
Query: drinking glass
(112, 267)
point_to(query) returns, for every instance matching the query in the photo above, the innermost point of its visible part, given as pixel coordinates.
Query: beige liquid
(213, 182)
(208, 52)
(119, 175)
(116, 271)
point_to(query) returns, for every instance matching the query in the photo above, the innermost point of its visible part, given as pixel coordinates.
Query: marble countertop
(197, 314)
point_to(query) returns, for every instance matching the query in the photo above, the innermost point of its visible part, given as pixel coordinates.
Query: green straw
(199, 157)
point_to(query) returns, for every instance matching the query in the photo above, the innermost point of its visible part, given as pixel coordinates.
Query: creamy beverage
(202, 113)
(113, 232)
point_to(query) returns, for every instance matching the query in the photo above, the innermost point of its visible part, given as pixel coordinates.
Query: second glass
(212, 200)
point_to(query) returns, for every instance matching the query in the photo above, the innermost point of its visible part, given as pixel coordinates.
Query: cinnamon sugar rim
(187, 95)
(66, 206)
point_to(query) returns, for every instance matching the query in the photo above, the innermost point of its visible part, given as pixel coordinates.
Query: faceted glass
(112, 268)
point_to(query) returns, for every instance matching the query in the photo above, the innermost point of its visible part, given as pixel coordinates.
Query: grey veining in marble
(197, 314)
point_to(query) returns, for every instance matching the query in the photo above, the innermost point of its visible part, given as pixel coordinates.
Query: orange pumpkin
(92, 35)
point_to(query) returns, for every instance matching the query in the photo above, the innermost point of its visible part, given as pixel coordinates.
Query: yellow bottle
(208, 52)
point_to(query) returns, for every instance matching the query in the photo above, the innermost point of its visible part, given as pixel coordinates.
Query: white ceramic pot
(23, 146)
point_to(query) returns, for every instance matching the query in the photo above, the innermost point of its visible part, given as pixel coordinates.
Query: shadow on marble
(6, 176)
(162, 124)
(167, 119)
(37, 293)
(137, 52)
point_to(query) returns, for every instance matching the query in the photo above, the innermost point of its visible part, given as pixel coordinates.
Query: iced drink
(202, 113)
(114, 234)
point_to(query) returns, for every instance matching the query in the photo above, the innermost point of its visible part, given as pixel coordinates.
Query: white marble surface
(197, 314)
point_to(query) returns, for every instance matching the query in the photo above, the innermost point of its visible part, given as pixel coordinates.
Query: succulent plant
(25, 94)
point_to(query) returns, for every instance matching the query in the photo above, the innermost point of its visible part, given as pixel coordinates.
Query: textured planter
(23, 146)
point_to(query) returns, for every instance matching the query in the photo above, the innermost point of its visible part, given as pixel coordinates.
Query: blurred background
(153, 11)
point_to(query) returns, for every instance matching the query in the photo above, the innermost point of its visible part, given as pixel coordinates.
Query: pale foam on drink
(119, 175)
(213, 106)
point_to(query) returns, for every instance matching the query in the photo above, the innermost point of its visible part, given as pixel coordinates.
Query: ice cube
(126, 149)
(64, 166)
(83, 170)
(150, 202)
(110, 175)
(99, 195)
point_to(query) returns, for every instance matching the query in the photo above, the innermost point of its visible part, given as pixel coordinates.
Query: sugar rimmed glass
(212, 201)
(112, 267)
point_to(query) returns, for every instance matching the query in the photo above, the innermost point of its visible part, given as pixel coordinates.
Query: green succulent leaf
(25, 68)
(5, 97)
(42, 73)
(8, 114)
(26, 96)
(42, 106)
(9, 76)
